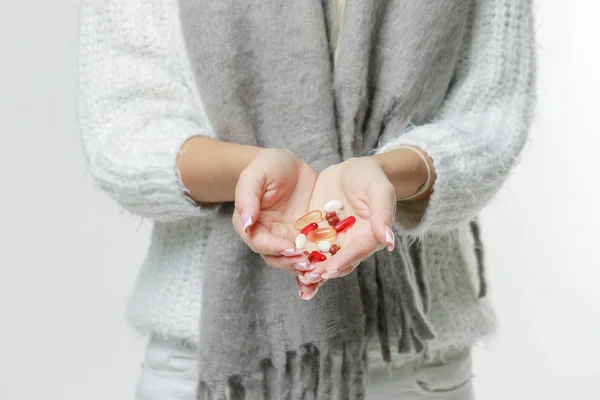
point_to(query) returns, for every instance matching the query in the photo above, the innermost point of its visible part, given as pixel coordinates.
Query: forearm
(210, 168)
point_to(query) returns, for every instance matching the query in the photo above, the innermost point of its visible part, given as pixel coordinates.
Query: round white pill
(332, 205)
(324, 246)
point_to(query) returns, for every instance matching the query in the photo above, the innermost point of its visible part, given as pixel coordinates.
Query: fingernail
(331, 274)
(302, 266)
(290, 252)
(246, 220)
(389, 238)
(312, 278)
(309, 296)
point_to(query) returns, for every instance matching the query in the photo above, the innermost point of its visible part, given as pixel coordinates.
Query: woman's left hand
(367, 194)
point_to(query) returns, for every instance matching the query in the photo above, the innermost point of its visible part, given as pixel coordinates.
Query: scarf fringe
(337, 370)
(331, 374)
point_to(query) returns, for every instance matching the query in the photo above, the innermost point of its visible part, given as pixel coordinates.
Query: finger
(310, 277)
(340, 273)
(307, 292)
(248, 192)
(382, 204)
(294, 265)
(348, 270)
(355, 251)
(262, 241)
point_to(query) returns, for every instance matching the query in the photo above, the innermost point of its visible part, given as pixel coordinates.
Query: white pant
(170, 372)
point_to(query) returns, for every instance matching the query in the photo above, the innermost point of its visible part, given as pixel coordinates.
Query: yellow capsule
(313, 216)
(321, 234)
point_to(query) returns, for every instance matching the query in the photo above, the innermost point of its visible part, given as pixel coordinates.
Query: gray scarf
(266, 75)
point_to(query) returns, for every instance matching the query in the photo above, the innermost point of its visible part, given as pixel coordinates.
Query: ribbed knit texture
(139, 104)
(483, 125)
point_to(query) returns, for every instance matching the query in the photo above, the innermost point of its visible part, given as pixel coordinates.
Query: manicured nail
(389, 238)
(302, 266)
(291, 252)
(311, 279)
(331, 274)
(309, 296)
(246, 220)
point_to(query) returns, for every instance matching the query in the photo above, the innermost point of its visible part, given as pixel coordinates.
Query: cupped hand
(271, 193)
(367, 194)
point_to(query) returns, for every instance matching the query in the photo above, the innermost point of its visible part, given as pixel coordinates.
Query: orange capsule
(307, 219)
(321, 234)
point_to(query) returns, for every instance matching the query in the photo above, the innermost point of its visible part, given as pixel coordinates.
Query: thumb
(248, 192)
(382, 200)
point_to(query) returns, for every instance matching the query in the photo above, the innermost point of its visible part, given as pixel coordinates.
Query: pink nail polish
(302, 266)
(309, 296)
(389, 238)
(246, 220)
(290, 252)
(311, 279)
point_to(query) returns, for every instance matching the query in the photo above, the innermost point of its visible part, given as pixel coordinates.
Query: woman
(411, 113)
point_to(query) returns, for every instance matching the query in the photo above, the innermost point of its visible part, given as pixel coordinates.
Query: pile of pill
(308, 225)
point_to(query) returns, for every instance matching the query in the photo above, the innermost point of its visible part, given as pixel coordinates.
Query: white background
(69, 257)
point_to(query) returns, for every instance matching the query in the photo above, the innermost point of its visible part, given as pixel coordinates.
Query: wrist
(410, 170)
(210, 168)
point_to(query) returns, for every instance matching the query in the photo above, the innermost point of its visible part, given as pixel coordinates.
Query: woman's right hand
(271, 193)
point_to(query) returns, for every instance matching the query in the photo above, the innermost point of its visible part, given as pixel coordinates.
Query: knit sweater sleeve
(483, 124)
(138, 104)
